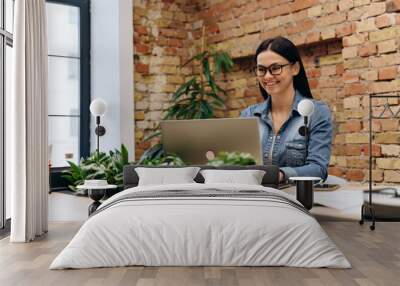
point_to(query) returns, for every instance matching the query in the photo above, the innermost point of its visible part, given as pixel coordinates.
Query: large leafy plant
(201, 95)
(198, 98)
(98, 165)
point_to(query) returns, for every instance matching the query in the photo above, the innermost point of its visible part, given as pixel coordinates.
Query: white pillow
(164, 176)
(248, 177)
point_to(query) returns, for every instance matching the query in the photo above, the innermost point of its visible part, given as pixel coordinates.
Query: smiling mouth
(271, 83)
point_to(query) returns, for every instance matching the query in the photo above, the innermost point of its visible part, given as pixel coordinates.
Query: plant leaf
(206, 69)
(152, 135)
(154, 152)
(197, 57)
(227, 63)
(183, 89)
(124, 155)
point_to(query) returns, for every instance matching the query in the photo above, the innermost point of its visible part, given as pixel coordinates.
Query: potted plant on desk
(232, 159)
(98, 166)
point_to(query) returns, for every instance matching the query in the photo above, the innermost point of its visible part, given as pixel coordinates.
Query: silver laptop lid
(193, 139)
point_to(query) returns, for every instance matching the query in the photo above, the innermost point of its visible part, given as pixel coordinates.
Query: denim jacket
(287, 148)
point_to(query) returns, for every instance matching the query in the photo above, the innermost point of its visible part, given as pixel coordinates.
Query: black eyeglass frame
(255, 69)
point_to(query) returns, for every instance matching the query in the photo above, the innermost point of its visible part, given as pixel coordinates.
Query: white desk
(342, 204)
(345, 203)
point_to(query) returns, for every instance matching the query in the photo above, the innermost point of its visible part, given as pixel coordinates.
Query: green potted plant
(232, 158)
(165, 160)
(100, 166)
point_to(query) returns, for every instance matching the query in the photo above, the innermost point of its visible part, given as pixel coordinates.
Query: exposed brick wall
(162, 34)
(350, 48)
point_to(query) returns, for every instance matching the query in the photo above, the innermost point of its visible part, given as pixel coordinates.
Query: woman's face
(276, 84)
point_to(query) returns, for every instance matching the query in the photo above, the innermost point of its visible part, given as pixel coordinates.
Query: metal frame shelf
(392, 115)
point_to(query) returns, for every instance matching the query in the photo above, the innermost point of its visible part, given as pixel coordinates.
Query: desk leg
(93, 207)
(95, 195)
(371, 209)
(305, 193)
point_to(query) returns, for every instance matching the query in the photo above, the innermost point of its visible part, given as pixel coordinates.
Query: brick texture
(349, 48)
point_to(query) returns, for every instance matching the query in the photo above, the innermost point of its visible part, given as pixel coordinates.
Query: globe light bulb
(98, 107)
(305, 107)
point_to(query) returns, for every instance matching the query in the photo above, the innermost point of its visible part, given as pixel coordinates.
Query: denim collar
(264, 108)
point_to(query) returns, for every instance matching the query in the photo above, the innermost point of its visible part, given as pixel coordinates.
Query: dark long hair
(289, 51)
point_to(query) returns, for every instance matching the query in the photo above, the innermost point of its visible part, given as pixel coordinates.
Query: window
(6, 44)
(68, 66)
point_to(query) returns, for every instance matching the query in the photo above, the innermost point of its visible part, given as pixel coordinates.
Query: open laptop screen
(193, 139)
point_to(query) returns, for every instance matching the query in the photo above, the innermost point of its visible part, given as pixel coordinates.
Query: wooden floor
(375, 257)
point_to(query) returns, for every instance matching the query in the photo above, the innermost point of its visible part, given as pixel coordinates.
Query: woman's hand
(281, 176)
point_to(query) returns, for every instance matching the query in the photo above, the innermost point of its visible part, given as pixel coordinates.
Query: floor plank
(375, 257)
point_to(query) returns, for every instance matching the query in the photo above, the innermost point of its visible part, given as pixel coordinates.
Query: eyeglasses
(274, 69)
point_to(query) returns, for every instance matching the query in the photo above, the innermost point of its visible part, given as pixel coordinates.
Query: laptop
(198, 140)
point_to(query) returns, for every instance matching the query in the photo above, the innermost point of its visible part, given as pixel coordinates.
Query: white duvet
(200, 231)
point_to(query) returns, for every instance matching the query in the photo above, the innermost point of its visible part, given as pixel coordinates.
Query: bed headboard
(270, 179)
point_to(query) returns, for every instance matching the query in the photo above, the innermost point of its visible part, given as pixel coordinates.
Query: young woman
(283, 84)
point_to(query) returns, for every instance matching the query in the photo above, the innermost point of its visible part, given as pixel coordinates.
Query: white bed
(189, 231)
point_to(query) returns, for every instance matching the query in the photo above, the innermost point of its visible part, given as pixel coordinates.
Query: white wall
(112, 72)
(127, 126)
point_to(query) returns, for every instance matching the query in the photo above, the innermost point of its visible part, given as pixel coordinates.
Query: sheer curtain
(28, 153)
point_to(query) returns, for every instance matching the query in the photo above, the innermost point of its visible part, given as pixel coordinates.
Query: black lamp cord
(97, 133)
(306, 136)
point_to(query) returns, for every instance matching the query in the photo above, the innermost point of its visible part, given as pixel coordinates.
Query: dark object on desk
(305, 190)
(96, 195)
(326, 187)
(305, 193)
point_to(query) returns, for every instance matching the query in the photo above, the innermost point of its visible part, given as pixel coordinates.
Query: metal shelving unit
(391, 115)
